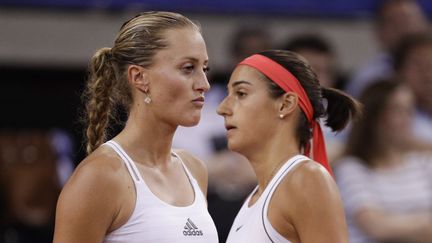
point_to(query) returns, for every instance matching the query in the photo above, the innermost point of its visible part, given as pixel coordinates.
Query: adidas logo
(191, 229)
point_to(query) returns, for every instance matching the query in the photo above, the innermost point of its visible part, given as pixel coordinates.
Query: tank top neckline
(140, 182)
(274, 181)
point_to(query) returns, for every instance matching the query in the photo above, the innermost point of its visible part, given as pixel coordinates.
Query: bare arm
(87, 205)
(392, 227)
(317, 212)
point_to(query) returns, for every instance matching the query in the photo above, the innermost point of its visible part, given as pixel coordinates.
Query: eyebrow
(236, 83)
(194, 59)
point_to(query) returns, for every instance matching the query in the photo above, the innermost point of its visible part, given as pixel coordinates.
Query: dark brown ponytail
(340, 108)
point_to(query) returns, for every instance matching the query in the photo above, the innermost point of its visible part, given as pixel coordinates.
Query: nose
(223, 108)
(202, 85)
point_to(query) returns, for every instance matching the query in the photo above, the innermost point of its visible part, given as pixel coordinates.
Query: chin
(233, 146)
(190, 122)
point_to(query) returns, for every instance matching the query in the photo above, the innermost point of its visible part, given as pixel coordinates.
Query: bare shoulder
(89, 201)
(309, 176)
(99, 169)
(196, 166)
(313, 188)
(315, 207)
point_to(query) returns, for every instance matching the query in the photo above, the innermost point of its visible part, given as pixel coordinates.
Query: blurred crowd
(382, 162)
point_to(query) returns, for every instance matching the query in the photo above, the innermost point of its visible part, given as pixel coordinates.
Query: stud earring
(281, 116)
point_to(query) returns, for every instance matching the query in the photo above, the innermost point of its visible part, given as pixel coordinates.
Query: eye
(188, 69)
(206, 70)
(241, 94)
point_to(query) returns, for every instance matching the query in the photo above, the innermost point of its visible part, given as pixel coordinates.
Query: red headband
(289, 83)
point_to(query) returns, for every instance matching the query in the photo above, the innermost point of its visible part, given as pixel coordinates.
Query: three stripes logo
(191, 229)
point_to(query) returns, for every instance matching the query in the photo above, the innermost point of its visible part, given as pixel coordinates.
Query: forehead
(183, 43)
(246, 73)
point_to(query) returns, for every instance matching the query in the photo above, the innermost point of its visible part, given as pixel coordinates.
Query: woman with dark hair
(134, 187)
(271, 112)
(385, 185)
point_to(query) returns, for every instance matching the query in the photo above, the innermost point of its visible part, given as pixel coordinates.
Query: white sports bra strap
(133, 170)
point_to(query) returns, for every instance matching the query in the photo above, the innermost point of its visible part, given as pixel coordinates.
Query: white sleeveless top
(154, 220)
(251, 223)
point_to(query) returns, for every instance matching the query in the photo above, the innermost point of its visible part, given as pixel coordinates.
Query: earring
(281, 116)
(147, 99)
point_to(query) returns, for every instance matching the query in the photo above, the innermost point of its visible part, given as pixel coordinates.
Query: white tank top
(154, 220)
(251, 223)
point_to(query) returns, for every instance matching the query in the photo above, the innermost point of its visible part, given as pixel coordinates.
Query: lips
(198, 102)
(229, 127)
(199, 99)
(230, 130)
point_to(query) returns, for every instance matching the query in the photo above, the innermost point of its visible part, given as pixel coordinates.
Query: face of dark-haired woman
(250, 113)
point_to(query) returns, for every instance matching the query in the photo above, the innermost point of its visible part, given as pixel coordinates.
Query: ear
(138, 77)
(288, 104)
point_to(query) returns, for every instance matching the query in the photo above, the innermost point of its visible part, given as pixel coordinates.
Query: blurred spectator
(394, 19)
(248, 40)
(230, 176)
(385, 185)
(413, 64)
(33, 166)
(245, 41)
(320, 54)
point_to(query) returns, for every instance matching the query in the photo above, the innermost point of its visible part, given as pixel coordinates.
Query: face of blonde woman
(249, 111)
(178, 79)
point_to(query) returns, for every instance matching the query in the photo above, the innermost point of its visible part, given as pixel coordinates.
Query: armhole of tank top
(248, 198)
(130, 165)
(264, 217)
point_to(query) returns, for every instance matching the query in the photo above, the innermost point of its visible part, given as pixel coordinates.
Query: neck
(269, 158)
(146, 138)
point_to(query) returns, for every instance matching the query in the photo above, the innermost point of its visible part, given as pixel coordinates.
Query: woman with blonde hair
(134, 187)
